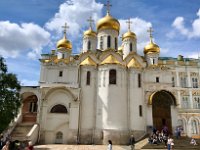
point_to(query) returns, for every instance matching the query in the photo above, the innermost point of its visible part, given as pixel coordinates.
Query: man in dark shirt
(132, 142)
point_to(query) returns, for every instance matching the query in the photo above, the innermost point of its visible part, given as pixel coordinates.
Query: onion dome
(108, 22)
(90, 32)
(64, 43)
(128, 34)
(151, 47)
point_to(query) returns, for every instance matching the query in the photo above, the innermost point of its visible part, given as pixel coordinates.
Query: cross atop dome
(108, 5)
(65, 27)
(129, 22)
(90, 20)
(150, 34)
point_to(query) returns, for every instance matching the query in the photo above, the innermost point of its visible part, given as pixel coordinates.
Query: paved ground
(88, 147)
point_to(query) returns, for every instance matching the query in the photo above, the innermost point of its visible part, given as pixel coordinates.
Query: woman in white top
(109, 145)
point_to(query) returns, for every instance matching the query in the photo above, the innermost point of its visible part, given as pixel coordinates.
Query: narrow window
(112, 76)
(115, 43)
(101, 42)
(88, 78)
(33, 107)
(157, 79)
(153, 61)
(139, 80)
(89, 45)
(131, 47)
(140, 110)
(109, 41)
(60, 73)
(173, 82)
(63, 56)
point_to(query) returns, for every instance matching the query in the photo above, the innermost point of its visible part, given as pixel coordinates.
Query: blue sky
(31, 27)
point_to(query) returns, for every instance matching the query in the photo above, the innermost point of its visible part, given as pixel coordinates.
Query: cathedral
(110, 91)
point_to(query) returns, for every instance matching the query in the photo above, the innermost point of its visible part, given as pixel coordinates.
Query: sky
(29, 28)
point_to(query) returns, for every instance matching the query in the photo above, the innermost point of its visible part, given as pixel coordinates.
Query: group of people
(8, 144)
(158, 137)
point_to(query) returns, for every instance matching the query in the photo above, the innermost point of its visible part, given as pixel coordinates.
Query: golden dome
(108, 22)
(128, 34)
(64, 43)
(90, 32)
(151, 48)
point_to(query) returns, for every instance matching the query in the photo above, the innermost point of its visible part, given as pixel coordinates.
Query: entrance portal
(161, 110)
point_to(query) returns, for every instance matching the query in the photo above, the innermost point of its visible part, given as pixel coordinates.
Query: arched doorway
(29, 109)
(59, 138)
(161, 110)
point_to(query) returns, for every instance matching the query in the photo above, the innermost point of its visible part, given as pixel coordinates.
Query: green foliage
(9, 96)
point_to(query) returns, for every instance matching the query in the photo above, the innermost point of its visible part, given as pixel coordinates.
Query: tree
(9, 96)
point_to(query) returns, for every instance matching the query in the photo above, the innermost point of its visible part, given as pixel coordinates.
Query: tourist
(109, 145)
(193, 141)
(132, 142)
(30, 146)
(6, 147)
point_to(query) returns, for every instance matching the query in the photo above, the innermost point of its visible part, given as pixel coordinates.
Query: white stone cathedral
(110, 92)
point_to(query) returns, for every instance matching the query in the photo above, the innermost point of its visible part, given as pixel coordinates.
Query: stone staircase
(20, 131)
(179, 144)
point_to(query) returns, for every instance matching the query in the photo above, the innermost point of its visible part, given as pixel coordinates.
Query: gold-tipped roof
(151, 47)
(129, 33)
(108, 22)
(90, 32)
(88, 62)
(133, 63)
(110, 60)
(64, 42)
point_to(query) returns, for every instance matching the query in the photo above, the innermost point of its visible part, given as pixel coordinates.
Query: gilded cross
(150, 33)
(108, 5)
(65, 27)
(90, 20)
(129, 24)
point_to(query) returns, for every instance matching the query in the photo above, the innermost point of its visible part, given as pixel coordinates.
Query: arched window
(59, 109)
(89, 45)
(131, 47)
(88, 78)
(112, 76)
(109, 41)
(101, 42)
(115, 43)
(194, 127)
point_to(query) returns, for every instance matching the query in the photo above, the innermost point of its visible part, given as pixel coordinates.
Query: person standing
(132, 142)
(6, 147)
(109, 145)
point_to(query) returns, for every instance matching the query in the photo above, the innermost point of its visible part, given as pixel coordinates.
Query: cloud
(139, 27)
(75, 13)
(179, 25)
(15, 39)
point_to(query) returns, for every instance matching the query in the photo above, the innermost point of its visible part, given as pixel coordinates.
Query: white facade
(101, 94)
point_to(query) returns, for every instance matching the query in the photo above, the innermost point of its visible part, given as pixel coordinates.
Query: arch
(173, 99)
(161, 110)
(52, 90)
(112, 76)
(58, 109)
(29, 107)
